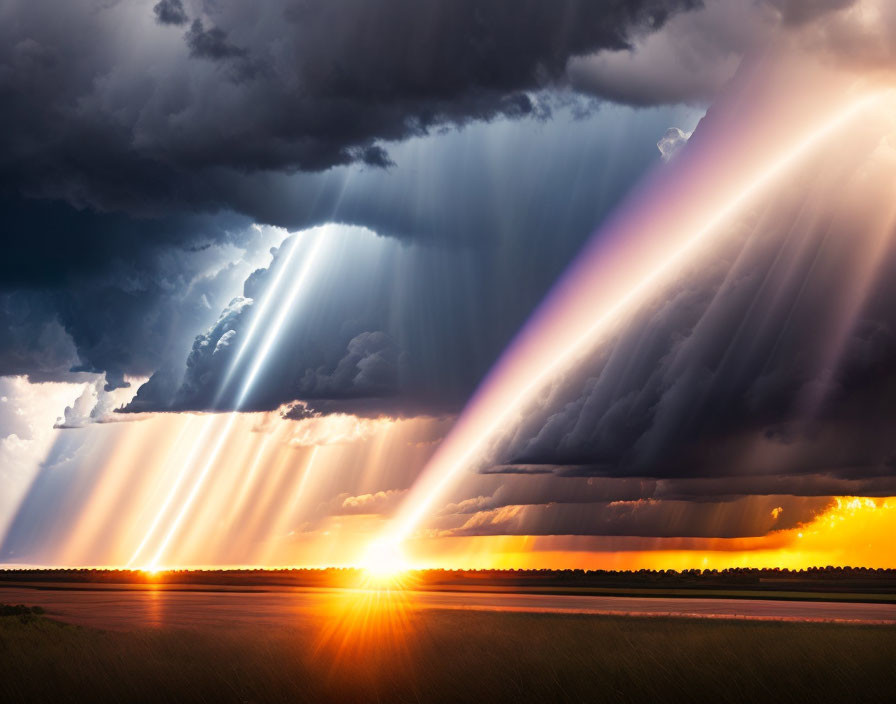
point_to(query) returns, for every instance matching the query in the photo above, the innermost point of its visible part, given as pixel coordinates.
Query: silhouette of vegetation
(22, 612)
(845, 583)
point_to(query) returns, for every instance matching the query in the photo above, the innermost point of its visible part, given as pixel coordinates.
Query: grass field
(458, 656)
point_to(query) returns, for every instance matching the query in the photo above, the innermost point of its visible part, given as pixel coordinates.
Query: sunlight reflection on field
(367, 628)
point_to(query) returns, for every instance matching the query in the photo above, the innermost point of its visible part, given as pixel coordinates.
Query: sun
(384, 564)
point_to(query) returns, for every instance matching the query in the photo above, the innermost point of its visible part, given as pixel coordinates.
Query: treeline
(829, 578)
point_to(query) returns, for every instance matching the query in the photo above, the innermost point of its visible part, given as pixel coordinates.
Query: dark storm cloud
(791, 485)
(52, 245)
(170, 12)
(114, 287)
(34, 342)
(375, 155)
(369, 368)
(106, 108)
(103, 294)
(128, 136)
(783, 492)
(750, 516)
(136, 146)
(210, 43)
(525, 489)
(213, 44)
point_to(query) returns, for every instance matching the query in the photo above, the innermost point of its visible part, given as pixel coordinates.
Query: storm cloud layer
(138, 133)
(161, 160)
(438, 313)
(133, 132)
(142, 109)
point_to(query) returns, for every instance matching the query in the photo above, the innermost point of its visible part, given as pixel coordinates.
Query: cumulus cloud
(333, 429)
(671, 142)
(131, 294)
(378, 503)
(78, 414)
(100, 294)
(97, 404)
(133, 134)
(135, 318)
(211, 353)
(369, 368)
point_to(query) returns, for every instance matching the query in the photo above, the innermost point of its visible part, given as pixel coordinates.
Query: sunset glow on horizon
(848, 531)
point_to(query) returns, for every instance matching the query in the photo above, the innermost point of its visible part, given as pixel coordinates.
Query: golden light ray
(191, 497)
(172, 492)
(289, 509)
(131, 452)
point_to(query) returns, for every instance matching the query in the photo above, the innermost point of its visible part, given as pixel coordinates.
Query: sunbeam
(175, 486)
(287, 308)
(259, 357)
(260, 315)
(546, 346)
(191, 497)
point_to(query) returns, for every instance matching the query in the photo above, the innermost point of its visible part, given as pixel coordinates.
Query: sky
(486, 283)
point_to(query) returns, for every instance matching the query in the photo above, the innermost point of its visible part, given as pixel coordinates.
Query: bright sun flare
(384, 563)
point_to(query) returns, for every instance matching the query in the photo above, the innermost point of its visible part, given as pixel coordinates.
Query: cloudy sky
(510, 282)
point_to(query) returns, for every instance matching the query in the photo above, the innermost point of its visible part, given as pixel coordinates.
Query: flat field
(376, 651)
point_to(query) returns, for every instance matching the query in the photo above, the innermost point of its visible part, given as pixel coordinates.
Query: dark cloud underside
(109, 109)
